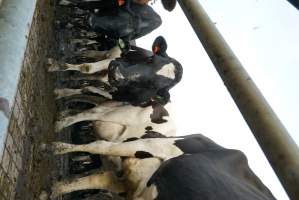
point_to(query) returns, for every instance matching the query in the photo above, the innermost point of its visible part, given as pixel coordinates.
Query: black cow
(127, 25)
(178, 168)
(138, 76)
(110, 4)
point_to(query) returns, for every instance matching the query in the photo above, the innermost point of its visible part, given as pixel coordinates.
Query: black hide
(125, 25)
(141, 83)
(103, 5)
(215, 173)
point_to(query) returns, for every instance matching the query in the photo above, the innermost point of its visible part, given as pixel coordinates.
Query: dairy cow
(108, 4)
(190, 167)
(137, 76)
(127, 23)
(118, 121)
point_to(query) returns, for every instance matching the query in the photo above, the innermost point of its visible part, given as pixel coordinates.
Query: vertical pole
(280, 149)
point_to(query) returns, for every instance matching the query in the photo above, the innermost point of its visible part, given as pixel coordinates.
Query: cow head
(146, 80)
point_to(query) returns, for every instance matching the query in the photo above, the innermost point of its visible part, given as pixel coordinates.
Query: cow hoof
(43, 196)
(56, 190)
(53, 65)
(60, 147)
(58, 126)
(43, 147)
(57, 93)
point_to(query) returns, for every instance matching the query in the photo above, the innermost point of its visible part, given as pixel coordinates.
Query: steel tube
(15, 23)
(278, 146)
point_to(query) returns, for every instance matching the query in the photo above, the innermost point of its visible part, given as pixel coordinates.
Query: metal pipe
(278, 146)
(15, 23)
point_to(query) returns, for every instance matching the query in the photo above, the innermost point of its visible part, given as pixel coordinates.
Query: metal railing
(278, 146)
(25, 37)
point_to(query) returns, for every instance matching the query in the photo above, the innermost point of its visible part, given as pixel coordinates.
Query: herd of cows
(133, 127)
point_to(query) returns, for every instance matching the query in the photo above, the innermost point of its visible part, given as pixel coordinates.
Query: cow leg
(83, 42)
(94, 114)
(60, 93)
(162, 148)
(90, 68)
(87, 68)
(102, 180)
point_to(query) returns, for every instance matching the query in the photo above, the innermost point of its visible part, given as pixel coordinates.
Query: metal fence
(22, 166)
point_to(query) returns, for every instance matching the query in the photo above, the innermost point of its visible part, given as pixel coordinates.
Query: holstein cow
(104, 4)
(127, 24)
(118, 121)
(182, 168)
(137, 75)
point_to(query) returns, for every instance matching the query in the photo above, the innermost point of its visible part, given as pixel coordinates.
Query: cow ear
(159, 46)
(169, 4)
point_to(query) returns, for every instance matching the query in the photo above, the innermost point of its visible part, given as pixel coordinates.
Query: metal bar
(280, 149)
(15, 23)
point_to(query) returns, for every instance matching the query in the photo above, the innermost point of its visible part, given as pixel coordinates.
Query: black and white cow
(108, 4)
(127, 24)
(183, 168)
(118, 121)
(137, 76)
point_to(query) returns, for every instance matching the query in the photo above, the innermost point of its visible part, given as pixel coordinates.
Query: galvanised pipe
(280, 149)
(15, 23)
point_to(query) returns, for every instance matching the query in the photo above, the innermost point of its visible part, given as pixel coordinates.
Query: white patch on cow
(66, 92)
(162, 148)
(116, 132)
(138, 172)
(83, 41)
(64, 2)
(117, 114)
(149, 193)
(43, 195)
(118, 74)
(167, 71)
(135, 76)
(87, 68)
(115, 52)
